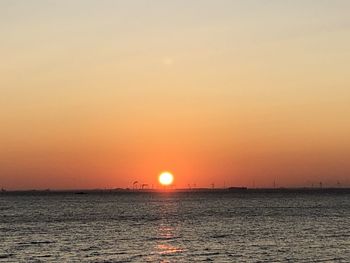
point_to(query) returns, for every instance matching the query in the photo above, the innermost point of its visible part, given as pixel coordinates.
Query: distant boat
(81, 193)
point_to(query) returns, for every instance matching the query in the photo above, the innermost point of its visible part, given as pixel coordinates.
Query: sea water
(219, 226)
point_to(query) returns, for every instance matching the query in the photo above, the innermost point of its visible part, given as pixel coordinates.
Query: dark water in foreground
(175, 227)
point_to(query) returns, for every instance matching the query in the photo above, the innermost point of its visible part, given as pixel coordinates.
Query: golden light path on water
(166, 234)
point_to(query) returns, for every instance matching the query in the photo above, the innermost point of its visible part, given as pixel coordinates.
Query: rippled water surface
(175, 227)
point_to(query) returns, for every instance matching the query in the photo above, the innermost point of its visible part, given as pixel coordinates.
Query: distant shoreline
(186, 190)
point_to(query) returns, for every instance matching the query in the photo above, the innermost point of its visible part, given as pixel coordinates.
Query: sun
(166, 178)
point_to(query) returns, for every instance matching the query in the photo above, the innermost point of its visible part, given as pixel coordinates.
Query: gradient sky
(98, 94)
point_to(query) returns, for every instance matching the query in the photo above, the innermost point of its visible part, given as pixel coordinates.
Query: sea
(175, 226)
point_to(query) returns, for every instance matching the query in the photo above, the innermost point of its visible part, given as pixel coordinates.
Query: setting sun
(166, 178)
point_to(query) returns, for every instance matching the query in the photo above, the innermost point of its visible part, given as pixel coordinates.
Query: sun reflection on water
(167, 236)
(166, 249)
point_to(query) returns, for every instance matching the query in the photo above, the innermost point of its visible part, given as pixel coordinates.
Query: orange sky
(100, 94)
